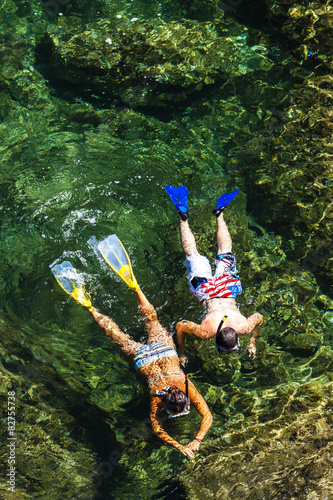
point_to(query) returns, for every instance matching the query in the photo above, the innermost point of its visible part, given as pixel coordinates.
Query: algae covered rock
(288, 160)
(308, 25)
(278, 458)
(150, 62)
(45, 448)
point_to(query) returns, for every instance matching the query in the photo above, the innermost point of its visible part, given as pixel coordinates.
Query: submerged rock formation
(151, 62)
(287, 457)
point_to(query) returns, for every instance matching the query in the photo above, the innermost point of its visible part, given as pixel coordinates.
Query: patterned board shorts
(225, 283)
(148, 353)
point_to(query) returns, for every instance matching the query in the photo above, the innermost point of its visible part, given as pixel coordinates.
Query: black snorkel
(219, 328)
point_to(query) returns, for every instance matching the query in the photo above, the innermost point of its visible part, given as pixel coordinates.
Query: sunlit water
(66, 176)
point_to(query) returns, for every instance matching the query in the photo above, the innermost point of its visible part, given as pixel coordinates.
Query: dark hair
(226, 338)
(175, 400)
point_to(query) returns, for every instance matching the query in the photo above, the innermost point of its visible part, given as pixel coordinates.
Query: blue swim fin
(223, 201)
(178, 197)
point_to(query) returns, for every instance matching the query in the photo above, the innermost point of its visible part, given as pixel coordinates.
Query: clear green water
(75, 163)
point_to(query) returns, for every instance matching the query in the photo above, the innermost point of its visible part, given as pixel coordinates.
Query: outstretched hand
(194, 445)
(185, 450)
(252, 350)
(190, 448)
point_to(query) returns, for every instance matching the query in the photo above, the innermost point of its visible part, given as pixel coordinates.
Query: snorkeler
(157, 361)
(222, 320)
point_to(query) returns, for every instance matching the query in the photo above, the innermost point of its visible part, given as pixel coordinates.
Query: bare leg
(141, 298)
(156, 332)
(187, 239)
(224, 242)
(127, 346)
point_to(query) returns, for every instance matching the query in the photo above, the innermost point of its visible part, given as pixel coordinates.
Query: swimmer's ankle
(183, 215)
(218, 211)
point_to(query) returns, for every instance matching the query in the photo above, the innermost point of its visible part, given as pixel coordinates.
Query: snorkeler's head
(175, 400)
(227, 340)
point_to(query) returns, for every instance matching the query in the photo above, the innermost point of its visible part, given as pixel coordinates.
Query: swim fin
(71, 282)
(116, 256)
(178, 197)
(223, 201)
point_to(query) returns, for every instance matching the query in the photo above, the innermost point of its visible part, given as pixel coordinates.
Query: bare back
(216, 309)
(166, 368)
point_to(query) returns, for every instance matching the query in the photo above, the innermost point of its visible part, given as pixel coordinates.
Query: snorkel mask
(186, 410)
(225, 350)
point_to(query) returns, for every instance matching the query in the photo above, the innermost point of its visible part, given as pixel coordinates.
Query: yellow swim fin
(71, 282)
(116, 256)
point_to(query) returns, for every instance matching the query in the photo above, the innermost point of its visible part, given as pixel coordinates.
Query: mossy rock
(149, 62)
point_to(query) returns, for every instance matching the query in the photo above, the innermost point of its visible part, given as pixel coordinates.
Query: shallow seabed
(102, 104)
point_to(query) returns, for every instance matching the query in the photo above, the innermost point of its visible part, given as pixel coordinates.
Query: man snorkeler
(223, 319)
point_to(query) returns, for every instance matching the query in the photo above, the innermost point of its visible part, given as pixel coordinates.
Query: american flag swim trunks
(224, 284)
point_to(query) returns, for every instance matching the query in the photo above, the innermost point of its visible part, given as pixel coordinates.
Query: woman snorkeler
(158, 363)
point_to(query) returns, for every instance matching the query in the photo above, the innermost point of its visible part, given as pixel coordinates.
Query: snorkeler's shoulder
(237, 322)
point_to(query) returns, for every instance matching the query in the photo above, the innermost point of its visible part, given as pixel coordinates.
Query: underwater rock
(308, 26)
(219, 370)
(201, 10)
(286, 456)
(149, 62)
(43, 435)
(20, 81)
(289, 159)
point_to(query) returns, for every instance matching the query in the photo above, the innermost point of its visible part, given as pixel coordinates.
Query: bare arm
(184, 327)
(207, 419)
(254, 323)
(156, 420)
(200, 404)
